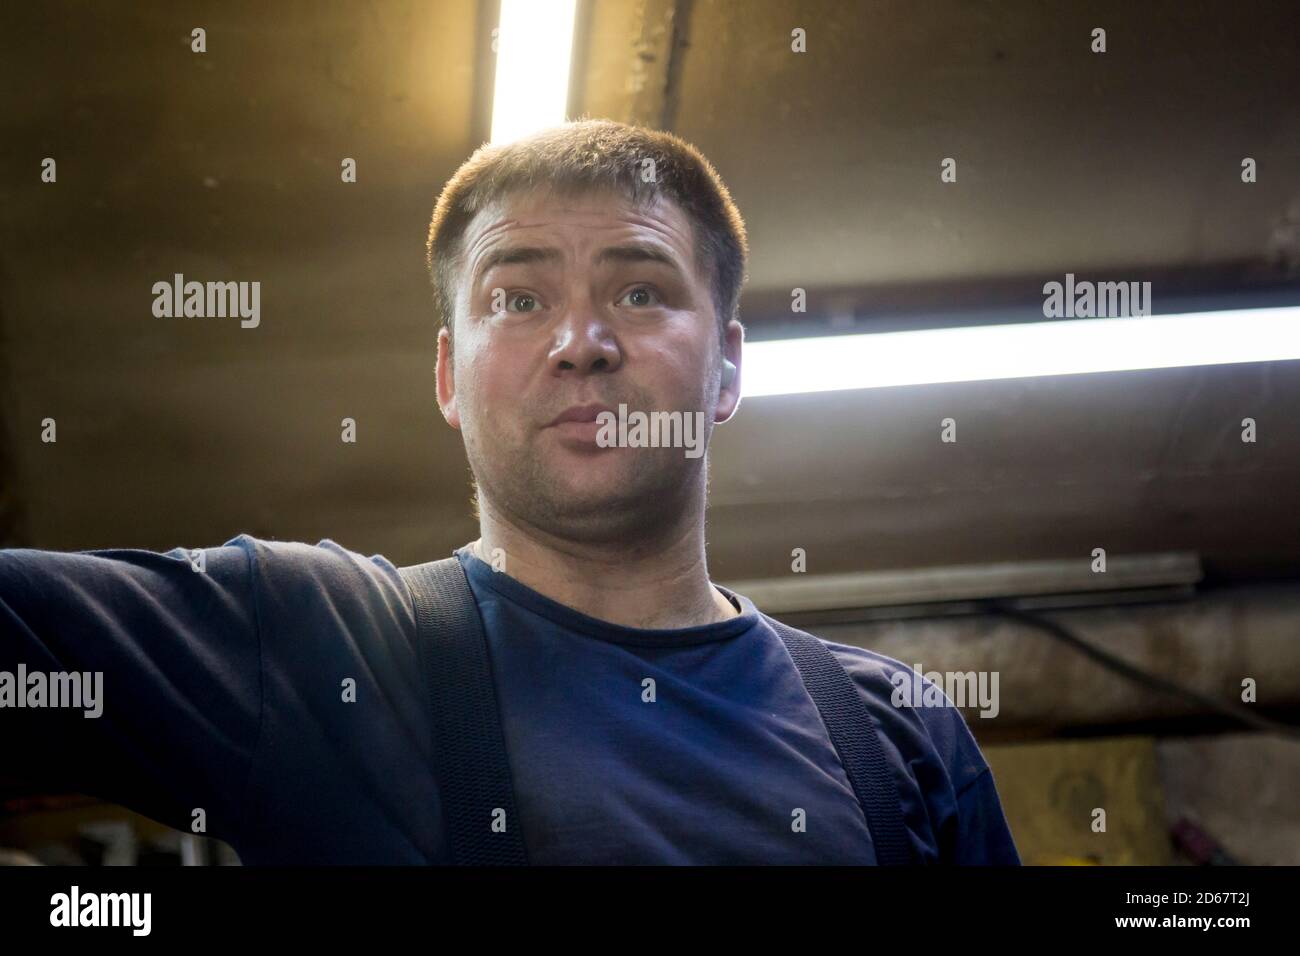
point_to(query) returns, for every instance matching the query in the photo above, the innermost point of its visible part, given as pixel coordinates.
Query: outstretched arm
(133, 676)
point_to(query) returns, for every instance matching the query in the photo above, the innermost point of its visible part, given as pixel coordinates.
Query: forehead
(594, 219)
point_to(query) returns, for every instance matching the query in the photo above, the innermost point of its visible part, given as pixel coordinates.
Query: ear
(446, 380)
(729, 394)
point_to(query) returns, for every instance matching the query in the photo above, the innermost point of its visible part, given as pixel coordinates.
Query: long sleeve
(177, 655)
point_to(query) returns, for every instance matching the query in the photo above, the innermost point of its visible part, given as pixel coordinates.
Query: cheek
(491, 396)
(681, 368)
(475, 372)
(495, 388)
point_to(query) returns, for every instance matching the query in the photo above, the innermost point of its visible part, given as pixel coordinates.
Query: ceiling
(1123, 165)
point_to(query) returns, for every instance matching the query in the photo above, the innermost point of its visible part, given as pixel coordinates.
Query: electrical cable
(1140, 676)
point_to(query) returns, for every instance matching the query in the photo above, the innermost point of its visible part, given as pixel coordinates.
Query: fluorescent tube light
(534, 47)
(985, 352)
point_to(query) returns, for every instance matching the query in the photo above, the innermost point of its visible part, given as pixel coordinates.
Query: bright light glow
(534, 46)
(978, 353)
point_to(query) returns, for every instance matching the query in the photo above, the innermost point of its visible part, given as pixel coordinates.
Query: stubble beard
(646, 499)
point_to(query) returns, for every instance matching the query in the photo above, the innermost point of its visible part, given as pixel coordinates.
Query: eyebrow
(625, 252)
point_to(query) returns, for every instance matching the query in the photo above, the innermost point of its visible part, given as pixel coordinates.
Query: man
(649, 716)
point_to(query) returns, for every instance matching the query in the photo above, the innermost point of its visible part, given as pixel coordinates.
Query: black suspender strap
(856, 740)
(469, 751)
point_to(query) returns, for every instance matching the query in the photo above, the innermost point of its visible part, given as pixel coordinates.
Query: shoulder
(924, 734)
(913, 713)
(326, 559)
(943, 780)
(325, 580)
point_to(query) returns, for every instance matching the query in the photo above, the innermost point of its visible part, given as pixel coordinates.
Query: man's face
(568, 302)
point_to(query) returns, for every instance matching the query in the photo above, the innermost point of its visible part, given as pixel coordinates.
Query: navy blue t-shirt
(278, 691)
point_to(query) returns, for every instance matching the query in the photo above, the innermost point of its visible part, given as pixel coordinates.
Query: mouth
(578, 423)
(579, 415)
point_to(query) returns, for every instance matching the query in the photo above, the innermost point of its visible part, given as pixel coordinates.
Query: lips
(580, 413)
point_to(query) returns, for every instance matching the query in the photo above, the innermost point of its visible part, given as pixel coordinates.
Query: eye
(645, 292)
(529, 300)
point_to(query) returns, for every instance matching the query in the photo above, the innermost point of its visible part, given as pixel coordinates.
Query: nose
(584, 344)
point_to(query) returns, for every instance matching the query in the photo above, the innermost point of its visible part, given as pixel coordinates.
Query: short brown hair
(589, 154)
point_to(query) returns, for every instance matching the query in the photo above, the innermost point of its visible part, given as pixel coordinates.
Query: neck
(662, 583)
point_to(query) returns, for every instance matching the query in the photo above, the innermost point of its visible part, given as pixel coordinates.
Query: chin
(609, 487)
(585, 494)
